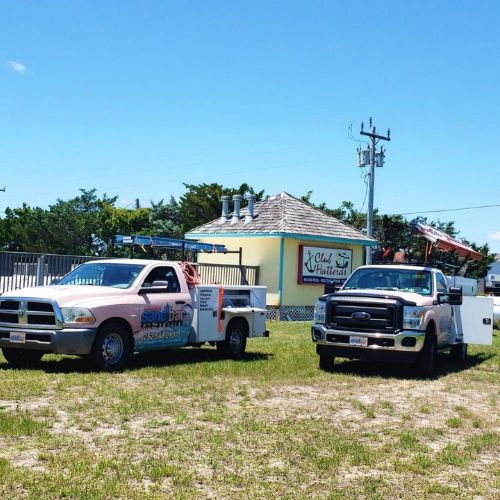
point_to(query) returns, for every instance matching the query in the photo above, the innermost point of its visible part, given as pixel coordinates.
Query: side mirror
(332, 288)
(455, 296)
(443, 298)
(157, 286)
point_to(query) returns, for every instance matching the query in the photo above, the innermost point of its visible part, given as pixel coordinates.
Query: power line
(202, 177)
(364, 176)
(352, 138)
(448, 210)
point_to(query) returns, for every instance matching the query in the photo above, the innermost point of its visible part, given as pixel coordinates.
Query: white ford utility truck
(109, 309)
(399, 313)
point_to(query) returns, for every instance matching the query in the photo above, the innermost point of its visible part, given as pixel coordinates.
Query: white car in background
(492, 279)
(496, 312)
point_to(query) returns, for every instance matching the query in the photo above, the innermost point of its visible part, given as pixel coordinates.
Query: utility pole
(376, 159)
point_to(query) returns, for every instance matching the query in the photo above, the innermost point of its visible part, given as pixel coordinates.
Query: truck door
(166, 312)
(474, 319)
(443, 313)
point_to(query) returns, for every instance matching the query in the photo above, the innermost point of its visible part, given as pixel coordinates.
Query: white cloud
(494, 236)
(16, 66)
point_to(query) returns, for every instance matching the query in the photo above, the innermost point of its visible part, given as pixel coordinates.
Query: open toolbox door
(474, 320)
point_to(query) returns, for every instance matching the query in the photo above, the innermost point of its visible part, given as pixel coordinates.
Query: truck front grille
(364, 316)
(27, 313)
(380, 317)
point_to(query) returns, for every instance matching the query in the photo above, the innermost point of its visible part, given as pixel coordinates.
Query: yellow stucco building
(297, 247)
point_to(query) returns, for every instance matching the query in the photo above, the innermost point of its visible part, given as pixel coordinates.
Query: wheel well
(431, 327)
(122, 322)
(242, 321)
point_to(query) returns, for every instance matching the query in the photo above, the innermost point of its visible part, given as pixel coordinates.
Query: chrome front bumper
(397, 342)
(65, 341)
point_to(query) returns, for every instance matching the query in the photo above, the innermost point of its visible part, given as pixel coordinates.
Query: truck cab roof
(132, 261)
(408, 267)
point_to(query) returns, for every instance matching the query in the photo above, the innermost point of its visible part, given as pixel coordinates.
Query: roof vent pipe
(225, 208)
(250, 197)
(236, 211)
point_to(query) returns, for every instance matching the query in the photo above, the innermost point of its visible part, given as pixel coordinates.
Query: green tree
(165, 219)
(346, 213)
(74, 222)
(26, 229)
(201, 202)
(394, 233)
(115, 220)
(66, 227)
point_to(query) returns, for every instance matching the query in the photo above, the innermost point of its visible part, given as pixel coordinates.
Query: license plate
(18, 337)
(361, 341)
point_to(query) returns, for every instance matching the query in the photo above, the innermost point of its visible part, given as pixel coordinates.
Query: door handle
(180, 301)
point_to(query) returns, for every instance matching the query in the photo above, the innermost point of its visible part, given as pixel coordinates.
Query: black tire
(326, 362)
(236, 340)
(21, 358)
(112, 348)
(458, 353)
(426, 362)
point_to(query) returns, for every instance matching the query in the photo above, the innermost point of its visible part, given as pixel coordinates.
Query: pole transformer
(376, 159)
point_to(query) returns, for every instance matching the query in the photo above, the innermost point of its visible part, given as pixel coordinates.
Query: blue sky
(135, 98)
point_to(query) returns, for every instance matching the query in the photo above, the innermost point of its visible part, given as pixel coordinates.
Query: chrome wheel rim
(112, 348)
(235, 340)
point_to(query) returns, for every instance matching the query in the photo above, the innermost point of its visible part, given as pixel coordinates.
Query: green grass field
(187, 424)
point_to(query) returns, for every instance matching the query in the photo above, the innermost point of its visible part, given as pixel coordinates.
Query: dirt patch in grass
(28, 459)
(259, 427)
(29, 405)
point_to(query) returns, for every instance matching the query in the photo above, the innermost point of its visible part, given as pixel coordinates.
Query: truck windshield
(103, 274)
(398, 280)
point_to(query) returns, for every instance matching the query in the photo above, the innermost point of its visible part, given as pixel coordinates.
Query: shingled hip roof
(284, 215)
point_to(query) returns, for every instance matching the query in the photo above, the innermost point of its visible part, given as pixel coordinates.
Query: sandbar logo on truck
(164, 326)
(164, 316)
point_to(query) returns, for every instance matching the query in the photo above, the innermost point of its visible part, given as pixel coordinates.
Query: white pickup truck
(109, 309)
(399, 313)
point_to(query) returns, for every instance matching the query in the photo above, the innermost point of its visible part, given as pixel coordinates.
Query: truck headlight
(77, 315)
(319, 311)
(412, 317)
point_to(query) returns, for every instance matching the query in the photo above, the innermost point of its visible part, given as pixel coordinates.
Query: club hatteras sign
(324, 265)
